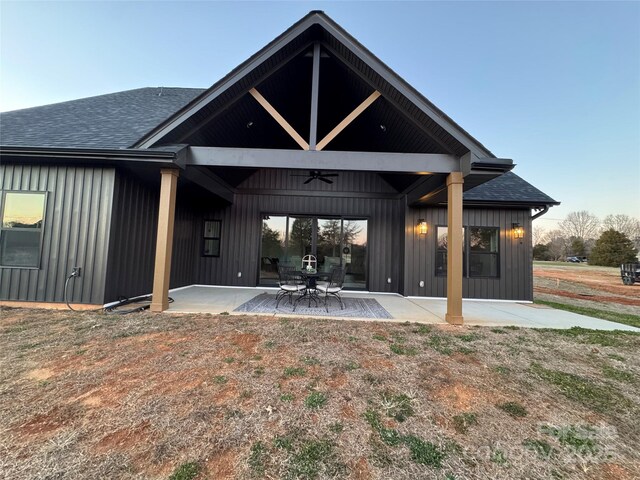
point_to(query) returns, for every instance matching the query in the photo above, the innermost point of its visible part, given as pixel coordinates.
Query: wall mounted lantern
(518, 230)
(422, 226)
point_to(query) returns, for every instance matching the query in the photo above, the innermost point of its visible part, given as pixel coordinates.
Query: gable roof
(114, 120)
(317, 27)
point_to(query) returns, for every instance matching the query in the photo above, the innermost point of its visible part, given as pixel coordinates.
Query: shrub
(612, 249)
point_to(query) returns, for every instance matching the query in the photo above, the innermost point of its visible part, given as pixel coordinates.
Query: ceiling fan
(316, 175)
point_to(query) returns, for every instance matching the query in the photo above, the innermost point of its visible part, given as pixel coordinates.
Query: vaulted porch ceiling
(315, 98)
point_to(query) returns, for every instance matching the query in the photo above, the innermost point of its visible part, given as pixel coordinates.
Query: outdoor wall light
(518, 230)
(422, 226)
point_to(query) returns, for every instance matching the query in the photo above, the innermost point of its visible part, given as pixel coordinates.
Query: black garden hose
(143, 302)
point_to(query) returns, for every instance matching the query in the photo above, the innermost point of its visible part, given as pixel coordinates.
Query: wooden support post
(279, 118)
(347, 120)
(454, 248)
(164, 243)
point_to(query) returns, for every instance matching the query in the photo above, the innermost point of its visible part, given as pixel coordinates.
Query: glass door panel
(328, 244)
(354, 253)
(334, 242)
(300, 239)
(273, 248)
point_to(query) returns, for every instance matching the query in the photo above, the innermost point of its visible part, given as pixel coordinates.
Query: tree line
(608, 242)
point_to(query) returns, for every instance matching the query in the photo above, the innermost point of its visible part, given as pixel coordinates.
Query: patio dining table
(311, 292)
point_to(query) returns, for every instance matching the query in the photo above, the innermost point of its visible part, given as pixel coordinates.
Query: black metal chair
(334, 287)
(290, 283)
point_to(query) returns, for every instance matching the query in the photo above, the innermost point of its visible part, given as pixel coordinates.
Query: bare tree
(538, 235)
(558, 243)
(624, 224)
(583, 225)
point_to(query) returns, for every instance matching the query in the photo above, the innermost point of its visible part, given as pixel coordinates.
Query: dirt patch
(337, 380)
(40, 374)
(45, 423)
(460, 397)
(221, 465)
(361, 470)
(378, 364)
(591, 297)
(247, 342)
(123, 439)
(611, 471)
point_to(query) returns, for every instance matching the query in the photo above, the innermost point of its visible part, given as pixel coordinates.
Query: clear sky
(555, 86)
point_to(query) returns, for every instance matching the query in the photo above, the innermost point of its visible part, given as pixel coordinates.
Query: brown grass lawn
(91, 396)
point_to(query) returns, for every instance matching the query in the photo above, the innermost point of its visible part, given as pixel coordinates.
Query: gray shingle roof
(508, 188)
(115, 120)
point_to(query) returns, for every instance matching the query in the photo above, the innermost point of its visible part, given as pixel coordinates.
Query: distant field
(586, 289)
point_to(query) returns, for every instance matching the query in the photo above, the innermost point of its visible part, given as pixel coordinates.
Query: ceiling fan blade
(308, 180)
(331, 175)
(325, 180)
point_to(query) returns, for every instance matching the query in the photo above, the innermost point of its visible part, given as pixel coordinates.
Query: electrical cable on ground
(144, 301)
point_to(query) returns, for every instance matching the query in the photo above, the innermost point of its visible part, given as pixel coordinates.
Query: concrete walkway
(210, 299)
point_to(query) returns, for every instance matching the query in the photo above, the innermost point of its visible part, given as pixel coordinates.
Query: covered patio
(316, 125)
(217, 300)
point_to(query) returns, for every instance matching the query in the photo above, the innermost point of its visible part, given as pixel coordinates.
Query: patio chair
(289, 282)
(334, 287)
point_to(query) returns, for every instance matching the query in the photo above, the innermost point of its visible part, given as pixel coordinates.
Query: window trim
(205, 238)
(466, 253)
(45, 193)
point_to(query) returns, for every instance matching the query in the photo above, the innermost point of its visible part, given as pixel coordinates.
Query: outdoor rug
(353, 307)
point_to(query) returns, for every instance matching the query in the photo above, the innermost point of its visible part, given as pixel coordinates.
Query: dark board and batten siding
(134, 235)
(76, 231)
(241, 224)
(515, 256)
(133, 239)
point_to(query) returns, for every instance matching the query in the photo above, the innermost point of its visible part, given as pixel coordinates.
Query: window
(483, 252)
(480, 252)
(441, 252)
(211, 247)
(21, 229)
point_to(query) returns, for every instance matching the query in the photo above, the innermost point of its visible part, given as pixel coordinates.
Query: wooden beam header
(424, 163)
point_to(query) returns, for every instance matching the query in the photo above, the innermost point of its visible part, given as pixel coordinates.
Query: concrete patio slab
(215, 300)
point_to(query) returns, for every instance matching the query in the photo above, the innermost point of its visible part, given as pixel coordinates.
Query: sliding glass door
(354, 253)
(333, 241)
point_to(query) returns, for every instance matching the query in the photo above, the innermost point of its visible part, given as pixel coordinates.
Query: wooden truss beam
(279, 118)
(347, 120)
